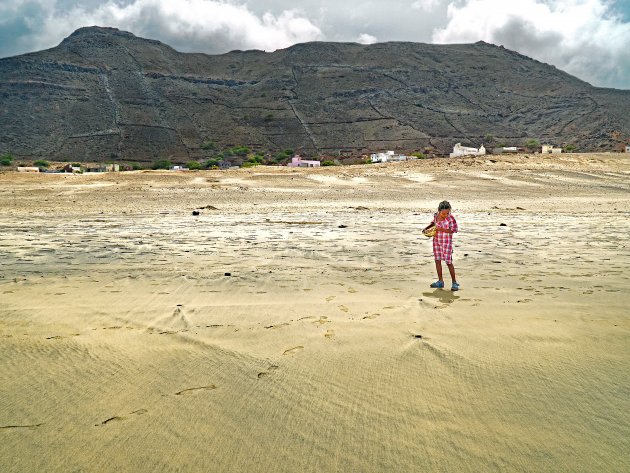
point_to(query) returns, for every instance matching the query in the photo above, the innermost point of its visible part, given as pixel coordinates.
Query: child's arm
(451, 229)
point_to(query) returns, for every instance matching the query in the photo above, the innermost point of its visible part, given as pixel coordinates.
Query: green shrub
(209, 145)
(533, 143)
(249, 164)
(419, 155)
(76, 165)
(328, 162)
(42, 163)
(193, 165)
(283, 155)
(162, 164)
(5, 159)
(239, 151)
(211, 163)
(268, 117)
(569, 148)
(256, 159)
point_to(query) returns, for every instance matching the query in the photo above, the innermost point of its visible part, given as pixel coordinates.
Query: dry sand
(124, 347)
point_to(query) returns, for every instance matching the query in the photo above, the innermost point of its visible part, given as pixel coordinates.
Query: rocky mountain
(104, 94)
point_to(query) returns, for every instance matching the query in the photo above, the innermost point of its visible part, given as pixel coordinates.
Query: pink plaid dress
(443, 242)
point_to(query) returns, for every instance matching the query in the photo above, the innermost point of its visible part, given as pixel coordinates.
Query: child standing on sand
(445, 226)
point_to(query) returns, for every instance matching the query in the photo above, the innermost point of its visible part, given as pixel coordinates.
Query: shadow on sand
(443, 295)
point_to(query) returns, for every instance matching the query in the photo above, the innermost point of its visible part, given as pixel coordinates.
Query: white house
(628, 149)
(387, 156)
(298, 162)
(549, 149)
(459, 150)
(179, 168)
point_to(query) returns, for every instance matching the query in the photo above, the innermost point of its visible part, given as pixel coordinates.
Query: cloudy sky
(587, 38)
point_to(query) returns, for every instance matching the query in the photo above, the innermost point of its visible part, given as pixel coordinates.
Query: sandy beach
(290, 327)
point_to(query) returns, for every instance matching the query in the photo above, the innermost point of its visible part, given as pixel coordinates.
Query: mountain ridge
(105, 94)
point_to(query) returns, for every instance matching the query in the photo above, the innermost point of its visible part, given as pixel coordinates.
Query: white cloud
(426, 5)
(582, 37)
(187, 25)
(365, 38)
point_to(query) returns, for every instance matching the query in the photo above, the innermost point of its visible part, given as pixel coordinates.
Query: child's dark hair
(444, 205)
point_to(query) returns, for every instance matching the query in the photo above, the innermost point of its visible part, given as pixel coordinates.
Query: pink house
(298, 162)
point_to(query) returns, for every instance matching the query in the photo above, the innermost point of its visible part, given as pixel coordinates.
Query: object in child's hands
(429, 231)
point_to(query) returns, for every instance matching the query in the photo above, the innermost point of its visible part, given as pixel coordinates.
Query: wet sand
(290, 326)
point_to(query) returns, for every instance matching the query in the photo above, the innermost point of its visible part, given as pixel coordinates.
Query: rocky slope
(106, 94)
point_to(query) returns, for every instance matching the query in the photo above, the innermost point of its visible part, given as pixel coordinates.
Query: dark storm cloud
(519, 34)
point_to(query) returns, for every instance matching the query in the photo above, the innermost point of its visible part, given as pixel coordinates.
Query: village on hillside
(297, 161)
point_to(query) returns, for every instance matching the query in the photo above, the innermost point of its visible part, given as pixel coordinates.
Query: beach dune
(290, 325)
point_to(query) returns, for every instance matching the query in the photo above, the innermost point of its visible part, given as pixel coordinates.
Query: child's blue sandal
(437, 284)
(455, 287)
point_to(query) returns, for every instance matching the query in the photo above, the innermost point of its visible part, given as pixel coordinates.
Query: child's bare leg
(438, 267)
(451, 269)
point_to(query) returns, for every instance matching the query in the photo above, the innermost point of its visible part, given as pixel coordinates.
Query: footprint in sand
(121, 418)
(293, 350)
(269, 371)
(30, 426)
(322, 320)
(330, 298)
(352, 290)
(187, 391)
(277, 326)
(343, 308)
(329, 334)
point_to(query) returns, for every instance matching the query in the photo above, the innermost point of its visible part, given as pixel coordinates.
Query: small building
(179, 168)
(298, 162)
(27, 169)
(506, 150)
(550, 149)
(459, 150)
(225, 164)
(72, 169)
(384, 157)
(627, 148)
(109, 168)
